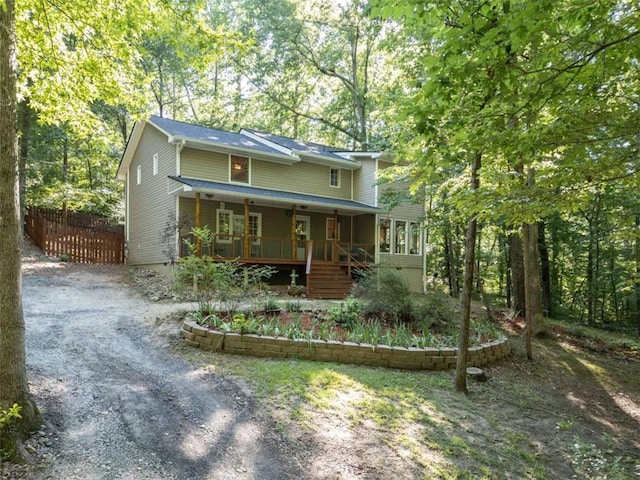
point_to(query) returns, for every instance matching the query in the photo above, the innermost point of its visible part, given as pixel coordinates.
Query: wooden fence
(84, 239)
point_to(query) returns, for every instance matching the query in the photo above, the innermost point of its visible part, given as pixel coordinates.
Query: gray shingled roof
(301, 146)
(197, 133)
(276, 195)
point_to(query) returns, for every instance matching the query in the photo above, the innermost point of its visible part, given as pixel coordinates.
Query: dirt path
(117, 404)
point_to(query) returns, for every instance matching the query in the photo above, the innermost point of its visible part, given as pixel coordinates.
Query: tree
(559, 74)
(14, 388)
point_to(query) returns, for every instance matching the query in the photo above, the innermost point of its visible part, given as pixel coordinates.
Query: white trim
(306, 218)
(257, 215)
(248, 182)
(179, 146)
(127, 207)
(218, 232)
(154, 168)
(268, 143)
(376, 190)
(138, 174)
(331, 169)
(322, 160)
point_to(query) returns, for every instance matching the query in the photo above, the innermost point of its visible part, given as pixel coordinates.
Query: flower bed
(336, 351)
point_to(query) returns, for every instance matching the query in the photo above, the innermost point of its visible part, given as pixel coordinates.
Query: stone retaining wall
(340, 352)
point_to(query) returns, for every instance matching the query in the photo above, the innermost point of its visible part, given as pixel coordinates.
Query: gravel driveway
(117, 404)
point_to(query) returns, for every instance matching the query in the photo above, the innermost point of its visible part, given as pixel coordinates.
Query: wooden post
(197, 221)
(334, 249)
(247, 237)
(294, 238)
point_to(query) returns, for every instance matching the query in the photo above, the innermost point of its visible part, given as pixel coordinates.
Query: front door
(303, 229)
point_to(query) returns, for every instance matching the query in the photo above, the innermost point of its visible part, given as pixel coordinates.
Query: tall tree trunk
(507, 270)
(545, 270)
(533, 298)
(637, 279)
(65, 170)
(516, 262)
(593, 259)
(26, 117)
(452, 267)
(469, 262)
(13, 372)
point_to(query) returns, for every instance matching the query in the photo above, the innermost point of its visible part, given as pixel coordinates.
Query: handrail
(351, 258)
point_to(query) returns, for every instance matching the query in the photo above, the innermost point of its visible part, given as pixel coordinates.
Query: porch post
(334, 250)
(247, 238)
(197, 221)
(294, 239)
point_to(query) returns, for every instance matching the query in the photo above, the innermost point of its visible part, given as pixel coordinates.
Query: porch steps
(328, 280)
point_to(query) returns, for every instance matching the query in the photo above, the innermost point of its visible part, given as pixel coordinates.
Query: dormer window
(239, 169)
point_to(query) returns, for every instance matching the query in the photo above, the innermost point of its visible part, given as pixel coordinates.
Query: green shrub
(7, 420)
(226, 283)
(386, 294)
(347, 313)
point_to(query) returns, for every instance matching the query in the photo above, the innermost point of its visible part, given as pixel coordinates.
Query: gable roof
(248, 142)
(198, 134)
(301, 147)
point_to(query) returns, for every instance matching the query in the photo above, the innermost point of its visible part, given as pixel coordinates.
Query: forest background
(538, 102)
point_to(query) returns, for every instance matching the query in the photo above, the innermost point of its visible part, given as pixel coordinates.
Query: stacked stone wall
(340, 352)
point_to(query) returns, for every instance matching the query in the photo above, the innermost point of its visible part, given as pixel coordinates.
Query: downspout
(127, 215)
(179, 146)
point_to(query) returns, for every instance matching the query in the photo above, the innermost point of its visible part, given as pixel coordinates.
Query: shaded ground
(123, 398)
(118, 405)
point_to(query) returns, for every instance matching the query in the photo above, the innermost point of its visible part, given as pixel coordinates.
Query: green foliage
(219, 283)
(348, 313)
(385, 293)
(591, 462)
(7, 420)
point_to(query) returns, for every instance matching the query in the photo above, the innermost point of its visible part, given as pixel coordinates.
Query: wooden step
(328, 280)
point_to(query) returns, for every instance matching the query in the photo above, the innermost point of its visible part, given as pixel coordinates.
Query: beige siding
(412, 274)
(364, 180)
(149, 203)
(302, 177)
(204, 165)
(364, 229)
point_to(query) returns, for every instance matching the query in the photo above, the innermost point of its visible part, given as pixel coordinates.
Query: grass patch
(517, 425)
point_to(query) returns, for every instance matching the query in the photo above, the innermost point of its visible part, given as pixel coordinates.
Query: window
(239, 169)
(415, 243)
(333, 230)
(401, 237)
(334, 177)
(139, 175)
(385, 235)
(155, 163)
(224, 227)
(255, 226)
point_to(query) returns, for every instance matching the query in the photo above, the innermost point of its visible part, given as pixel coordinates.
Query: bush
(347, 313)
(226, 282)
(386, 294)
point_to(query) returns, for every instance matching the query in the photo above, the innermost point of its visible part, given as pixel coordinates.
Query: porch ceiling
(262, 196)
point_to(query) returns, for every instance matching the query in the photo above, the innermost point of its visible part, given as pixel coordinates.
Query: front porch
(326, 267)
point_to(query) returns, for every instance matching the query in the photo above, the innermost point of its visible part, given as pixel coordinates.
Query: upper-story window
(155, 163)
(239, 169)
(139, 175)
(334, 177)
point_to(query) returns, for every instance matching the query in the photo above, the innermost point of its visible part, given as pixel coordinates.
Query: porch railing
(274, 249)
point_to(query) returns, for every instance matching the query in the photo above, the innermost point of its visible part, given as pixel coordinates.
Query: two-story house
(308, 209)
